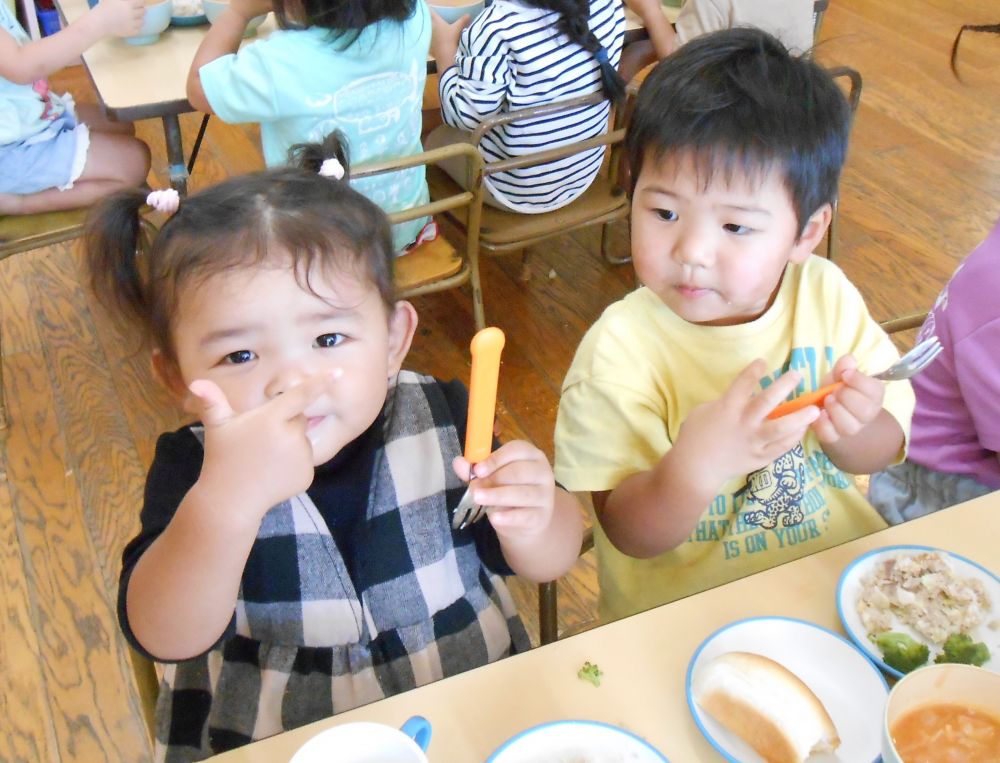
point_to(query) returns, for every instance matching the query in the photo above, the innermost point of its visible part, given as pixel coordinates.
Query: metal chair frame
(472, 200)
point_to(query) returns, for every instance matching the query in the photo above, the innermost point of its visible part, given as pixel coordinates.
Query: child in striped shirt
(521, 53)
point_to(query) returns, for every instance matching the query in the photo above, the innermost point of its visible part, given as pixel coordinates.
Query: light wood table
(149, 81)
(644, 657)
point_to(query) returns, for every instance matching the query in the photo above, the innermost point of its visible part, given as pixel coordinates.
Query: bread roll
(766, 705)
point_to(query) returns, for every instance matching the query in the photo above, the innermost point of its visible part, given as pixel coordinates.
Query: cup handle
(419, 730)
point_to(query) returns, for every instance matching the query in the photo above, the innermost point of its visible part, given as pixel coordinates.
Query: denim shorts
(908, 490)
(52, 158)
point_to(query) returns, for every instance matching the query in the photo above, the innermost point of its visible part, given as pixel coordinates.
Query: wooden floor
(922, 187)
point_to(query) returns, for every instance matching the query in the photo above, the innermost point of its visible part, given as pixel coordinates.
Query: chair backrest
(507, 231)
(436, 265)
(854, 84)
(22, 233)
(903, 323)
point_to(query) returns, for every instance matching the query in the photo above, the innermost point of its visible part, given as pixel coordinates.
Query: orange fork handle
(486, 347)
(811, 398)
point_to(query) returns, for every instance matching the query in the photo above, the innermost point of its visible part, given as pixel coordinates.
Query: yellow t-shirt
(638, 372)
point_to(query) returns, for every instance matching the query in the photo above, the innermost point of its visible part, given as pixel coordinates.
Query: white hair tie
(332, 168)
(165, 201)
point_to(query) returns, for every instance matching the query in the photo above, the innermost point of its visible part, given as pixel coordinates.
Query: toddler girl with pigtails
(296, 556)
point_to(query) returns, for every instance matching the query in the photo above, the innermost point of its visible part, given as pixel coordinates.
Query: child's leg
(92, 116)
(114, 161)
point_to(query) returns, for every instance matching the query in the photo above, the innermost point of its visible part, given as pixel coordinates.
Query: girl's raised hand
(732, 435)
(516, 482)
(851, 408)
(121, 18)
(263, 456)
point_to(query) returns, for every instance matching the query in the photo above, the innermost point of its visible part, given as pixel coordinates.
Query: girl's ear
(169, 376)
(402, 327)
(812, 234)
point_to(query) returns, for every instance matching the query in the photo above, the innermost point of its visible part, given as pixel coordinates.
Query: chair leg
(606, 252)
(548, 620)
(3, 397)
(525, 274)
(478, 312)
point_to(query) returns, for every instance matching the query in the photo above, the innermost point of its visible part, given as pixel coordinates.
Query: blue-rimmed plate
(849, 686)
(189, 20)
(576, 740)
(849, 590)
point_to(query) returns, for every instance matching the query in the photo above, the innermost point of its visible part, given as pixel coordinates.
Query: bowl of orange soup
(943, 713)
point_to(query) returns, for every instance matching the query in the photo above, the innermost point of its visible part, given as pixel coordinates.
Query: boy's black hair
(737, 100)
(289, 217)
(344, 18)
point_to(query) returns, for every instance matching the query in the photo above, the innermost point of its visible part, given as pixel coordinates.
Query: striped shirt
(513, 56)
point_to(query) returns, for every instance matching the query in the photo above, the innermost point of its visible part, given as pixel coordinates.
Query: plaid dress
(421, 605)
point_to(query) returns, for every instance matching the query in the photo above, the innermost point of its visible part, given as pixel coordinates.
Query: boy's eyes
(240, 356)
(329, 340)
(737, 228)
(667, 215)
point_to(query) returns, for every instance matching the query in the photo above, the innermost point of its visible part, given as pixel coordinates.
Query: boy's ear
(402, 327)
(169, 376)
(812, 233)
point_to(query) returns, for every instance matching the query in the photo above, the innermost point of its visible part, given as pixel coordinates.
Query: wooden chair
(503, 231)
(147, 684)
(854, 84)
(23, 233)
(904, 323)
(820, 8)
(437, 265)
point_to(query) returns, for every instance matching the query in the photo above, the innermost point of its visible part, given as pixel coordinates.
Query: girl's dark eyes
(667, 215)
(329, 340)
(240, 356)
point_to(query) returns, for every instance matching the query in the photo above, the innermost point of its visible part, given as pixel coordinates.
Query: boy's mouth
(692, 292)
(314, 421)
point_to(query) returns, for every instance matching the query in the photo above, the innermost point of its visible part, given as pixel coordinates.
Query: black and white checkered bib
(425, 607)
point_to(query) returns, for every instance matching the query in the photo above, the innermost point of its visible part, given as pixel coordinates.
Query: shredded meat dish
(923, 592)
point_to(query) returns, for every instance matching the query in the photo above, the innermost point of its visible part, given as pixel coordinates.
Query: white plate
(571, 741)
(849, 686)
(849, 588)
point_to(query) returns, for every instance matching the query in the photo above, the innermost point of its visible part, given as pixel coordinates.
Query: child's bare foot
(10, 204)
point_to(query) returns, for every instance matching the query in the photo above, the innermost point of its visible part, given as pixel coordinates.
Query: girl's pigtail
(112, 240)
(329, 158)
(574, 23)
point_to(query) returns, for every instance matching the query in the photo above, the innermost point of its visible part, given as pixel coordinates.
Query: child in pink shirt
(955, 436)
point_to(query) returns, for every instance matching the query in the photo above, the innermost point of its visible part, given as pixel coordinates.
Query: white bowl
(156, 19)
(364, 742)
(947, 683)
(214, 9)
(576, 740)
(453, 11)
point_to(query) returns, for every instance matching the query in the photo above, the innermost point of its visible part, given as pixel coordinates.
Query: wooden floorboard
(921, 188)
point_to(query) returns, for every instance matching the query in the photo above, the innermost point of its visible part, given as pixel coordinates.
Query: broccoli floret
(590, 673)
(901, 652)
(961, 648)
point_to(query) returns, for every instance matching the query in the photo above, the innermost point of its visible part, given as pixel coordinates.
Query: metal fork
(911, 364)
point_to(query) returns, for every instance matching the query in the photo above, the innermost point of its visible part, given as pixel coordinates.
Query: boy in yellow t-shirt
(736, 149)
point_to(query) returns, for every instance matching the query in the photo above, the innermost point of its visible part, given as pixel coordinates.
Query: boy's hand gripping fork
(486, 347)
